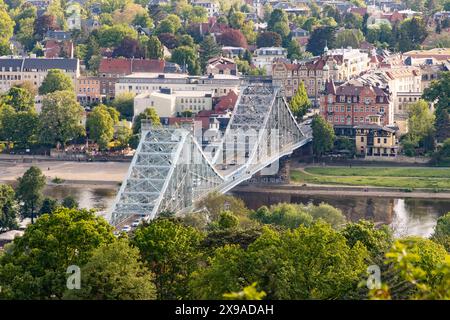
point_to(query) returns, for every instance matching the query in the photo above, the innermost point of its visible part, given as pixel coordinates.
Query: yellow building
(375, 140)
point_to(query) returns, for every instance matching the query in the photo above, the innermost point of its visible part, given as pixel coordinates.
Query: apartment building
(169, 103)
(211, 6)
(355, 103)
(137, 83)
(15, 70)
(263, 58)
(375, 140)
(88, 90)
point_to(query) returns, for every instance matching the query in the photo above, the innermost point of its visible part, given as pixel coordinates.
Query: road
(75, 172)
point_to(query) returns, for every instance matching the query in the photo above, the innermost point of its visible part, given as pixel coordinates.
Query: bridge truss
(171, 171)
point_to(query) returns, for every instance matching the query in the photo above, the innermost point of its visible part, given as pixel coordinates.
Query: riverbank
(409, 179)
(330, 190)
(80, 173)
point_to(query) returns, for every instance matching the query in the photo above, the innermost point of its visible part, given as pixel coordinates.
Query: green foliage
(34, 266)
(442, 231)
(6, 25)
(48, 206)
(148, 114)
(300, 103)
(268, 39)
(171, 252)
(215, 203)
(112, 36)
(321, 37)
(29, 191)
(154, 48)
(412, 32)
(323, 134)
(56, 80)
(69, 202)
(124, 103)
(227, 220)
(306, 263)
(19, 127)
(114, 272)
(349, 38)
(247, 293)
(19, 98)
(101, 126)
(208, 49)
(60, 119)
(123, 134)
(9, 208)
(187, 57)
(170, 24)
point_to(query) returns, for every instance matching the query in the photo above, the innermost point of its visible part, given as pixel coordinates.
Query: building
(375, 140)
(263, 58)
(16, 70)
(137, 83)
(233, 52)
(58, 44)
(110, 70)
(429, 57)
(211, 7)
(221, 65)
(88, 90)
(339, 65)
(168, 103)
(355, 103)
(73, 14)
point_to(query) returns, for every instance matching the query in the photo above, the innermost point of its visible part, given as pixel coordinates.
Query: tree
(69, 202)
(283, 214)
(227, 220)
(420, 126)
(294, 50)
(187, 57)
(323, 136)
(248, 30)
(19, 98)
(320, 38)
(208, 49)
(268, 39)
(129, 48)
(441, 233)
(43, 24)
(61, 118)
(35, 265)
(171, 251)
(19, 127)
(112, 36)
(123, 134)
(124, 103)
(169, 40)
(170, 24)
(412, 32)
(306, 263)
(233, 38)
(349, 38)
(277, 16)
(6, 25)
(29, 191)
(143, 19)
(300, 103)
(100, 126)
(154, 48)
(9, 208)
(215, 203)
(236, 20)
(55, 80)
(48, 206)
(114, 272)
(439, 92)
(147, 114)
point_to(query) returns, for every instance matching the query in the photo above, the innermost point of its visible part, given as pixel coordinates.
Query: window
(362, 139)
(385, 140)
(378, 140)
(349, 108)
(342, 108)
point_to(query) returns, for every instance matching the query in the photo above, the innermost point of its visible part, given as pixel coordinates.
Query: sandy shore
(70, 172)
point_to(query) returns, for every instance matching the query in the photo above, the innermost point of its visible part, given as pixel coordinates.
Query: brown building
(111, 69)
(88, 90)
(354, 103)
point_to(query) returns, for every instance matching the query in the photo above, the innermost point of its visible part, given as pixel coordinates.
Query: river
(406, 216)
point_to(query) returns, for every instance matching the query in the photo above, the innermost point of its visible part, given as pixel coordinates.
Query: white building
(137, 83)
(168, 103)
(354, 61)
(264, 57)
(211, 6)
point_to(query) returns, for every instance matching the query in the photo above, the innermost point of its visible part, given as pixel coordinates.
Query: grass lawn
(406, 178)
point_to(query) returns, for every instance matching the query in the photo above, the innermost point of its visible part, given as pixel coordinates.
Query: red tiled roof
(127, 66)
(227, 102)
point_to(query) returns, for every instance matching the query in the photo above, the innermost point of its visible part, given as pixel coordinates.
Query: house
(227, 102)
(221, 65)
(264, 57)
(88, 90)
(233, 52)
(211, 7)
(73, 14)
(58, 44)
(375, 140)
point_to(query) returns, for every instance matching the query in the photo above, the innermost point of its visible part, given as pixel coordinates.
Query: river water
(406, 216)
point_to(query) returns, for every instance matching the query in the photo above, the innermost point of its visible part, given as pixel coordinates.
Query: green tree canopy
(29, 191)
(112, 36)
(20, 99)
(114, 272)
(154, 48)
(300, 103)
(61, 118)
(323, 136)
(100, 126)
(56, 80)
(9, 208)
(187, 57)
(148, 114)
(171, 251)
(124, 103)
(441, 233)
(35, 265)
